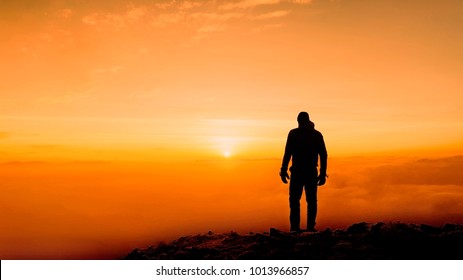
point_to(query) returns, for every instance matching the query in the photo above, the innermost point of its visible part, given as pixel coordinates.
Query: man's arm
(288, 152)
(323, 162)
(286, 157)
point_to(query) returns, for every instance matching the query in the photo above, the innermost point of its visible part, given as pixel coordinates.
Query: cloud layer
(421, 190)
(202, 14)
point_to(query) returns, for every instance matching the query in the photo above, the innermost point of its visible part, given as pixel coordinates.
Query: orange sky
(149, 104)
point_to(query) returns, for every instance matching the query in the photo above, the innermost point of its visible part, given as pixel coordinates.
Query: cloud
(188, 5)
(272, 15)
(442, 171)
(99, 18)
(247, 4)
(267, 27)
(132, 14)
(206, 30)
(164, 20)
(46, 147)
(217, 16)
(301, 1)
(425, 190)
(204, 18)
(159, 14)
(37, 163)
(181, 5)
(112, 70)
(65, 13)
(135, 13)
(210, 28)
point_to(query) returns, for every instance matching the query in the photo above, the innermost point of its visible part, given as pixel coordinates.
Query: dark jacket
(305, 145)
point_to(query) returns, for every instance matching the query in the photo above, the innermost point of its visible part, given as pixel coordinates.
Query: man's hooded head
(303, 118)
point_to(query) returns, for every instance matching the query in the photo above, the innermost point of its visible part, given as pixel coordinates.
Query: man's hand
(284, 176)
(322, 179)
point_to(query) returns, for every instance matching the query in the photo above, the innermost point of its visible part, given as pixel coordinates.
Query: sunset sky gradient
(124, 123)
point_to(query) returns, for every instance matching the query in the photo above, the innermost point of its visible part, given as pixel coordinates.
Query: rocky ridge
(364, 241)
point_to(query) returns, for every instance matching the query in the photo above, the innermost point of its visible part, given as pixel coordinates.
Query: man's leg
(295, 193)
(311, 198)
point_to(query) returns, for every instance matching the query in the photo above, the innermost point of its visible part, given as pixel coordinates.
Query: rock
(451, 227)
(377, 227)
(275, 232)
(136, 254)
(358, 228)
(430, 229)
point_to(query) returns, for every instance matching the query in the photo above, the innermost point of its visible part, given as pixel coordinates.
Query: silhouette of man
(305, 146)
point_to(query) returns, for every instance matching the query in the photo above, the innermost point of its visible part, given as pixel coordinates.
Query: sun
(225, 146)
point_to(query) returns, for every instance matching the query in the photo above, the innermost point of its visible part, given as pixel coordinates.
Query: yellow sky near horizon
(203, 78)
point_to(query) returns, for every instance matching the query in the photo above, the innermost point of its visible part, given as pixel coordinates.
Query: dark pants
(300, 181)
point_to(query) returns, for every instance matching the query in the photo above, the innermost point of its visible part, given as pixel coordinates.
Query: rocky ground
(364, 241)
